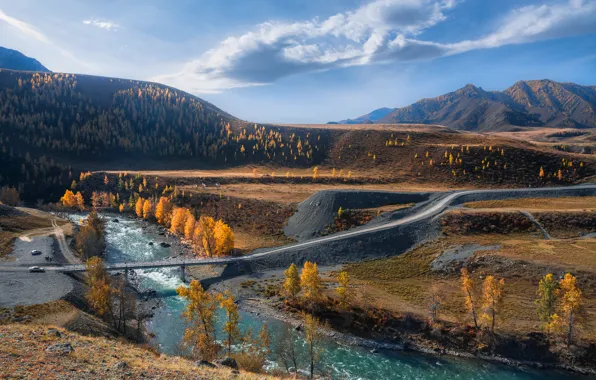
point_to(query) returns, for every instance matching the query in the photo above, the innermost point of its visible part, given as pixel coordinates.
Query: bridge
(427, 212)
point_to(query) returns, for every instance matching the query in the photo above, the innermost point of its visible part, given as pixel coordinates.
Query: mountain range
(14, 60)
(533, 103)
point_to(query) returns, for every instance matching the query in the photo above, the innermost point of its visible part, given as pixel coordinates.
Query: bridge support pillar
(126, 276)
(182, 273)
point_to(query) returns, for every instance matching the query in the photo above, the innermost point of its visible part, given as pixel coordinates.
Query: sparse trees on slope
(100, 293)
(9, 196)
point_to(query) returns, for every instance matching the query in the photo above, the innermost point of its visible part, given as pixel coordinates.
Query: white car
(36, 270)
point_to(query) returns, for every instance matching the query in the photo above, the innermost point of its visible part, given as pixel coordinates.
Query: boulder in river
(164, 244)
(150, 243)
(116, 220)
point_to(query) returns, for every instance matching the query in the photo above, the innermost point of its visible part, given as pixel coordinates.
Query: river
(127, 241)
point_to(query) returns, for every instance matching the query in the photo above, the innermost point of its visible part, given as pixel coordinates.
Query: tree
(224, 238)
(492, 295)
(254, 350)
(178, 220)
(163, 211)
(291, 286)
(315, 172)
(310, 282)
(199, 336)
(467, 286)
(90, 240)
(313, 338)
(147, 209)
(342, 290)
(139, 207)
(69, 200)
(9, 196)
(204, 235)
(80, 201)
(434, 304)
(286, 350)
(99, 293)
(571, 302)
(189, 226)
(541, 173)
(547, 297)
(228, 303)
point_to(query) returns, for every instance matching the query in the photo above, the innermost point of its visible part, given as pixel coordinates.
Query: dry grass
(403, 283)
(564, 203)
(22, 355)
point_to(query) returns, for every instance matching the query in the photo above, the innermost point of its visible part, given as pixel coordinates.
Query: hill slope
(371, 117)
(535, 103)
(34, 351)
(14, 60)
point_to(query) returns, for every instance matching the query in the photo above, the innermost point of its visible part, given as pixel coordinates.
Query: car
(36, 270)
(36, 252)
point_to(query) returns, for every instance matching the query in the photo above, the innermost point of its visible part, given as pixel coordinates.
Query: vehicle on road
(36, 270)
(36, 252)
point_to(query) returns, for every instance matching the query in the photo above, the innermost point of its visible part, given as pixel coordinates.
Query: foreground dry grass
(564, 203)
(403, 283)
(23, 355)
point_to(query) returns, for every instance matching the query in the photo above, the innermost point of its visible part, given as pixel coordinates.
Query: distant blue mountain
(368, 118)
(14, 60)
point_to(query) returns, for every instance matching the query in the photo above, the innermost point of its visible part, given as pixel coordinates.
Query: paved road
(32, 288)
(432, 210)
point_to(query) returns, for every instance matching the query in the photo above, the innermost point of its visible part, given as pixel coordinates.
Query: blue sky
(310, 61)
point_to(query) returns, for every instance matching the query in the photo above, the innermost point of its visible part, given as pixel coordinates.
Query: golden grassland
(402, 284)
(23, 355)
(564, 203)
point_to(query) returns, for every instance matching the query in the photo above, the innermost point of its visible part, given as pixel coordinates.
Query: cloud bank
(378, 32)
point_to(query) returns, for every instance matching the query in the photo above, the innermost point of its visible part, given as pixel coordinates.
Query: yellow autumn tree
(189, 226)
(147, 209)
(199, 336)
(291, 286)
(315, 172)
(178, 220)
(541, 172)
(224, 238)
(492, 298)
(163, 211)
(228, 303)
(204, 235)
(69, 200)
(310, 281)
(99, 293)
(467, 286)
(343, 279)
(139, 207)
(571, 302)
(80, 201)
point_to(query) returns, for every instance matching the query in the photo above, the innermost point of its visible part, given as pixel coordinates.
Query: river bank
(258, 300)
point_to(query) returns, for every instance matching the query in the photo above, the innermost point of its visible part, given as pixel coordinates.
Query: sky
(309, 61)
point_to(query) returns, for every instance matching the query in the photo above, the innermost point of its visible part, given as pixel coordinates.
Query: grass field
(403, 283)
(564, 203)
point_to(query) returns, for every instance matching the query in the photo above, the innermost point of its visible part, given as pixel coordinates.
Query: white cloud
(107, 25)
(380, 31)
(23, 27)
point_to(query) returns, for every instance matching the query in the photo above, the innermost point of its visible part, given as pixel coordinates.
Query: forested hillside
(50, 122)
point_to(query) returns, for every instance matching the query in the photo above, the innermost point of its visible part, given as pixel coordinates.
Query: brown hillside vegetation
(36, 351)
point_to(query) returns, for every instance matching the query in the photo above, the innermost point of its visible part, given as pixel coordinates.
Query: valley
(411, 241)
